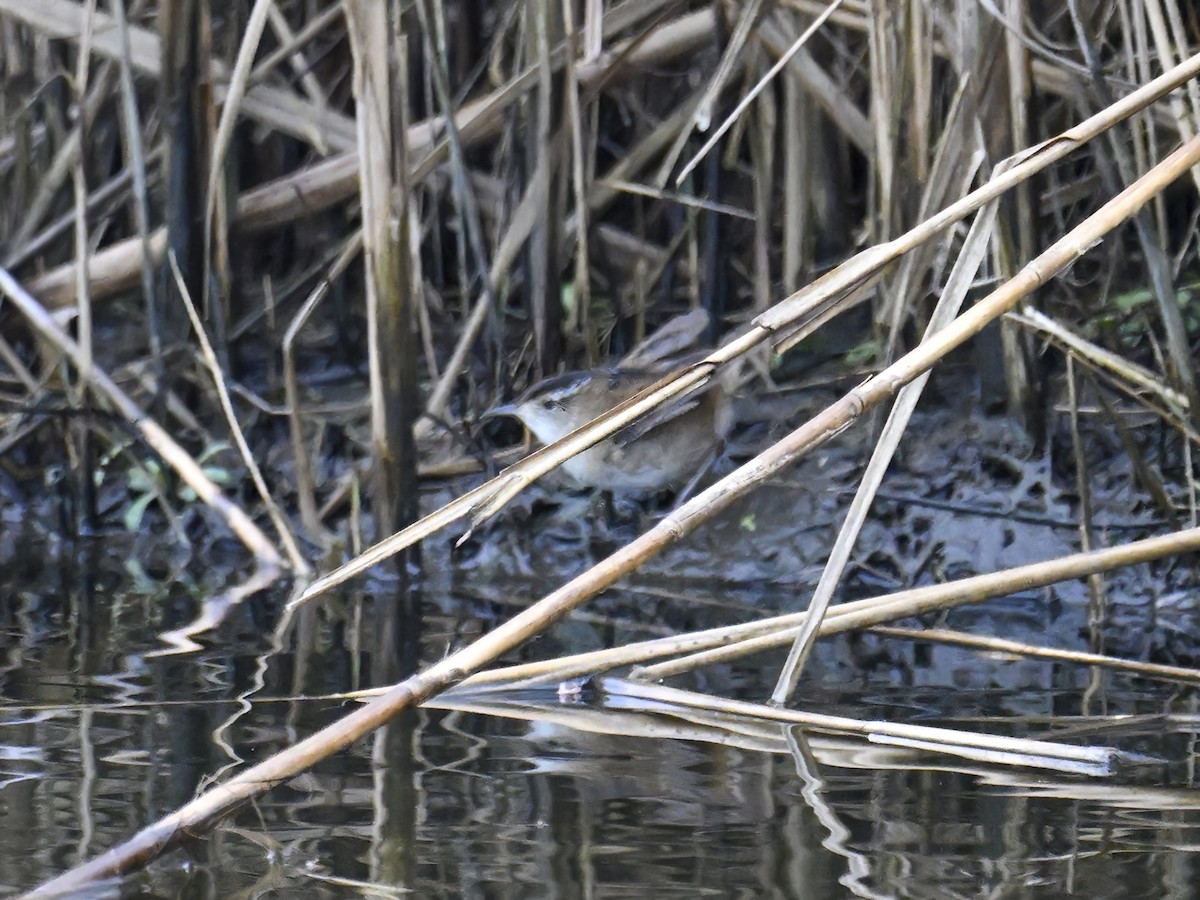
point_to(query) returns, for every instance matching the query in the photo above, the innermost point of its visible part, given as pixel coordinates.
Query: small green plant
(148, 482)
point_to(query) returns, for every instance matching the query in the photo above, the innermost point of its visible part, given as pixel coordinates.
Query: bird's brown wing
(656, 419)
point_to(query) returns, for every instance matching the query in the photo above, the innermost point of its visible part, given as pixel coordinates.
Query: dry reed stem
(763, 737)
(64, 160)
(131, 132)
(1146, 474)
(748, 16)
(1086, 760)
(289, 45)
(467, 204)
(234, 95)
(748, 98)
(862, 614)
(279, 109)
(694, 726)
(648, 712)
(289, 49)
(116, 268)
(1133, 377)
(305, 494)
(954, 293)
(79, 185)
(824, 89)
(379, 85)
(957, 158)
(1037, 651)
(334, 180)
(278, 519)
(1097, 594)
(732, 642)
(582, 150)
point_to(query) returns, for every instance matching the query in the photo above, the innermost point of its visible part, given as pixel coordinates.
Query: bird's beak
(504, 409)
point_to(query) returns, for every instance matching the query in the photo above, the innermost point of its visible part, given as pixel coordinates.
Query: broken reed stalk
(1133, 379)
(654, 712)
(222, 799)
(1083, 760)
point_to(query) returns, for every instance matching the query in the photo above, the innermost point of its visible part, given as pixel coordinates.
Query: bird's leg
(690, 488)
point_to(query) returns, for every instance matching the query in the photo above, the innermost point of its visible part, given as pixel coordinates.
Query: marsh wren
(664, 449)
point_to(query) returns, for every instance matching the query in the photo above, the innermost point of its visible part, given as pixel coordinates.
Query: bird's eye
(550, 403)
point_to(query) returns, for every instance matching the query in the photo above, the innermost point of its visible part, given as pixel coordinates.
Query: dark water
(539, 798)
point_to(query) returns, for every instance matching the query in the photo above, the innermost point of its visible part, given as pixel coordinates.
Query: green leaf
(132, 520)
(867, 351)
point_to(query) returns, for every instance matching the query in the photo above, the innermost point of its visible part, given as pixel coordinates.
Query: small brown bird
(665, 449)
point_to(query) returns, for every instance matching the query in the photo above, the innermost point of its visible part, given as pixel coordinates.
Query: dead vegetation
(432, 205)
